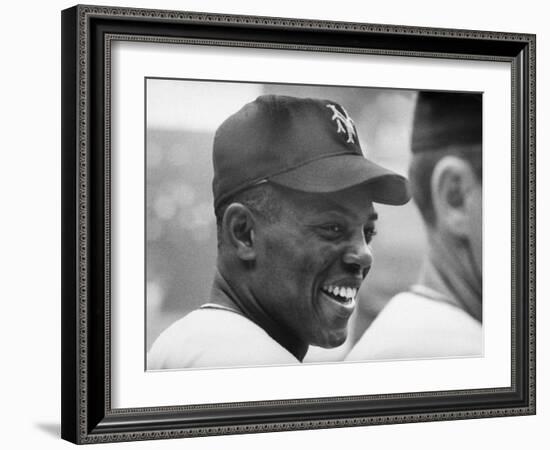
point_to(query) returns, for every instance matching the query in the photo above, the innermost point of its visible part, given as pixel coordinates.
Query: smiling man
(293, 197)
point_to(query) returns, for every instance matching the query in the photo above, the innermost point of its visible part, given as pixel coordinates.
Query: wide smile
(341, 294)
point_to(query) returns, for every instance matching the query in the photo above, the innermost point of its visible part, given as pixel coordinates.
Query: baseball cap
(444, 119)
(306, 144)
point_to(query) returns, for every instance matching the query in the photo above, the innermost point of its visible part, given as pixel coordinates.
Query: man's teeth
(344, 292)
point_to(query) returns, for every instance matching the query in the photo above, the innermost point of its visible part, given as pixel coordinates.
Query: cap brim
(339, 172)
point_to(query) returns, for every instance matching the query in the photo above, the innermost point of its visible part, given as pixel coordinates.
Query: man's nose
(358, 255)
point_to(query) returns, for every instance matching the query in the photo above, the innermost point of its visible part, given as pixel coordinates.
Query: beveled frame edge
(79, 221)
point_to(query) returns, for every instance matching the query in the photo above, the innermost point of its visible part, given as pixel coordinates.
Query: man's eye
(332, 229)
(369, 234)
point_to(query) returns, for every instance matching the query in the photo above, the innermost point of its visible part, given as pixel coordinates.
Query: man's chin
(333, 340)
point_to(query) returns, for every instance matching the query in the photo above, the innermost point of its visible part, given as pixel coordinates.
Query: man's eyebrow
(373, 215)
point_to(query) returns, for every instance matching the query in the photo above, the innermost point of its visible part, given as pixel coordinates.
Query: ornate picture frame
(88, 36)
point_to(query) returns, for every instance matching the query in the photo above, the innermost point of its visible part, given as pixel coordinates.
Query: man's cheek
(321, 259)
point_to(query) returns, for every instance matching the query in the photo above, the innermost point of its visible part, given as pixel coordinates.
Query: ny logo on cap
(345, 124)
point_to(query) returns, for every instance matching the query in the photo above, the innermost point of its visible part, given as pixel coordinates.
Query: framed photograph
(281, 224)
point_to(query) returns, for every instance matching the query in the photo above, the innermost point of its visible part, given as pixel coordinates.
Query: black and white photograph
(295, 224)
(277, 224)
(247, 225)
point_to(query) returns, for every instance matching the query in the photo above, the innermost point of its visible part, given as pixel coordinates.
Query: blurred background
(181, 119)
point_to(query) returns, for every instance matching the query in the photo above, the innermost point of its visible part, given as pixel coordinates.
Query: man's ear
(452, 180)
(238, 228)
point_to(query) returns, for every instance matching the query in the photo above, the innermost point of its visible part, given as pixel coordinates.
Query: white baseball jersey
(413, 326)
(215, 337)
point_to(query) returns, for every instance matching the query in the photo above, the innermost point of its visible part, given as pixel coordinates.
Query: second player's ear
(238, 228)
(452, 181)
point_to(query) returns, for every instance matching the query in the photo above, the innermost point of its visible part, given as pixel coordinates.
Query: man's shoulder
(414, 326)
(208, 322)
(215, 338)
(415, 311)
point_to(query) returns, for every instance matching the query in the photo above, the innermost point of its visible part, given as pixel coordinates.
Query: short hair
(421, 170)
(263, 199)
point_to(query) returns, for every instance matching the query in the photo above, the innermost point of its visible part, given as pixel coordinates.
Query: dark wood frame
(87, 416)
